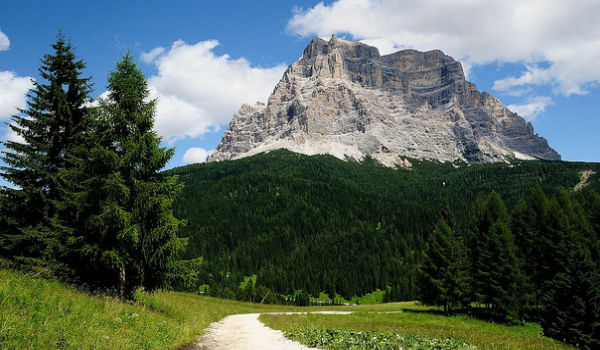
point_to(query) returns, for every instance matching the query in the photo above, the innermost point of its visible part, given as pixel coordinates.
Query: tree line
(320, 224)
(540, 261)
(87, 197)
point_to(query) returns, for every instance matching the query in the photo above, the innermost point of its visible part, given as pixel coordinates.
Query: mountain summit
(343, 98)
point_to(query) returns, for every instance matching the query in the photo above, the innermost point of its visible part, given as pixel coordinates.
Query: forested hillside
(317, 223)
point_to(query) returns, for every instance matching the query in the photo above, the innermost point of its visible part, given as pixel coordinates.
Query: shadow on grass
(482, 314)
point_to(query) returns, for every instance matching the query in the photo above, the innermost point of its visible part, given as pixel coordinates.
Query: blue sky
(204, 59)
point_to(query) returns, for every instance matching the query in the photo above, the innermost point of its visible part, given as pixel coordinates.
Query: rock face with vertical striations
(343, 98)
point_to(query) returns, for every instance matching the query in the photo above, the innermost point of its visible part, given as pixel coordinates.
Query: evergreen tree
(571, 293)
(496, 274)
(125, 218)
(445, 271)
(572, 301)
(590, 202)
(51, 127)
(529, 225)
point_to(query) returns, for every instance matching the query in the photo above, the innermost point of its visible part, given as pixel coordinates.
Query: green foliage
(301, 298)
(127, 229)
(51, 128)
(317, 223)
(376, 297)
(410, 318)
(89, 198)
(184, 275)
(445, 279)
(558, 245)
(571, 293)
(497, 279)
(571, 301)
(359, 340)
(530, 224)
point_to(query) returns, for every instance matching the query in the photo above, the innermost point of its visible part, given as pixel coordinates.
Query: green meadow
(409, 318)
(41, 313)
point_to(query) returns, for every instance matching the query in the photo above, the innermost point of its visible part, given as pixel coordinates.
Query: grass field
(39, 313)
(411, 319)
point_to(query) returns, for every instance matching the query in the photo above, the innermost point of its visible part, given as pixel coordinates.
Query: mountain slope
(321, 224)
(343, 98)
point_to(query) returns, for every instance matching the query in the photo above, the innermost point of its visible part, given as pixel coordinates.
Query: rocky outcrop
(344, 99)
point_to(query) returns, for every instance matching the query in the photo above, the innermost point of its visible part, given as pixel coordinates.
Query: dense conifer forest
(321, 213)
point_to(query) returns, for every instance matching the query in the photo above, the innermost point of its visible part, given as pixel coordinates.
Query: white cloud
(564, 34)
(198, 91)
(196, 155)
(13, 93)
(10, 135)
(96, 102)
(534, 107)
(533, 76)
(4, 42)
(148, 57)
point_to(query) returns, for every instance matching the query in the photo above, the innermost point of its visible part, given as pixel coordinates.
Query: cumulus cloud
(564, 34)
(96, 102)
(4, 42)
(11, 135)
(196, 155)
(13, 93)
(534, 107)
(148, 57)
(199, 91)
(532, 76)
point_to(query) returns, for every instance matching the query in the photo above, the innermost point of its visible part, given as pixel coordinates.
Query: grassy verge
(410, 319)
(38, 313)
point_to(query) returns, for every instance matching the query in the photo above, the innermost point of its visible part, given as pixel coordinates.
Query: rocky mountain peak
(343, 98)
(349, 49)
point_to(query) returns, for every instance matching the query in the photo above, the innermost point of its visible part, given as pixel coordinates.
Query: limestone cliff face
(344, 99)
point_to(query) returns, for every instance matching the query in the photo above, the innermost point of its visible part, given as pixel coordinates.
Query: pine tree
(51, 126)
(486, 212)
(504, 280)
(445, 270)
(590, 202)
(126, 222)
(496, 274)
(571, 293)
(529, 225)
(572, 301)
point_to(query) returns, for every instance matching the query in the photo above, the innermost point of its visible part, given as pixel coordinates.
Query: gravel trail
(246, 332)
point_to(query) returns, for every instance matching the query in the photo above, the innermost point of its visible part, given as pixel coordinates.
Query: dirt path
(246, 332)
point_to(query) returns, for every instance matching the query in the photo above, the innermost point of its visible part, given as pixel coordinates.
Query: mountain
(343, 98)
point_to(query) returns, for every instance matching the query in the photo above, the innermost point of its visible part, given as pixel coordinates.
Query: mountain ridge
(343, 98)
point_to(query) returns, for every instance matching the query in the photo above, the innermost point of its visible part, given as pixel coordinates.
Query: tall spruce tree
(529, 226)
(571, 294)
(128, 229)
(51, 126)
(445, 279)
(572, 300)
(590, 202)
(496, 274)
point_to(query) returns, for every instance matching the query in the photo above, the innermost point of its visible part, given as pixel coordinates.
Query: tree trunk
(122, 282)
